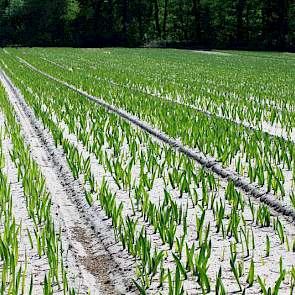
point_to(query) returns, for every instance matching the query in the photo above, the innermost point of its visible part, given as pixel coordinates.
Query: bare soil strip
(210, 163)
(212, 52)
(93, 260)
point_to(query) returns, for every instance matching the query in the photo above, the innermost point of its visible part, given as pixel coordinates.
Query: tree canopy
(245, 24)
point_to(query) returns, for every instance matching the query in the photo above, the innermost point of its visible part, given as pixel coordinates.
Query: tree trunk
(158, 28)
(125, 17)
(97, 7)
(282, 24)
(165, 19)
(239, 32)
(110, 15)
(181, 20)
(247, 25)
(267, 34)
(140, 22)
(196, 12)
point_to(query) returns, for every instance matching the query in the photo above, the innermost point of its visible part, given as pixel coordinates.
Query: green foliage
(218, 23)
(72, 10)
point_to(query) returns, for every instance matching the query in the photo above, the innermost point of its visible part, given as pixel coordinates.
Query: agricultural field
(147, 171)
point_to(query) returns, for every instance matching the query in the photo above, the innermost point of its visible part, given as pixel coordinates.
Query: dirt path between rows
(95, 262)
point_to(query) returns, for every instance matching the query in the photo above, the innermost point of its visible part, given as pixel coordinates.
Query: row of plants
(13, 274)
(44, 236)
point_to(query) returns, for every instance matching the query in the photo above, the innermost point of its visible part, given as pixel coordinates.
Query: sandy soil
(212, 52)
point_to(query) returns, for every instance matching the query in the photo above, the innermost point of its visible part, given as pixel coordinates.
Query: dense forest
(245, 24)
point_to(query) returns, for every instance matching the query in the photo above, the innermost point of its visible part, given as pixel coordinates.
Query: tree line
(244, 24)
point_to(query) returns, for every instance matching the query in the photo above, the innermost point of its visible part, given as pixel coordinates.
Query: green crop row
(46, 236)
